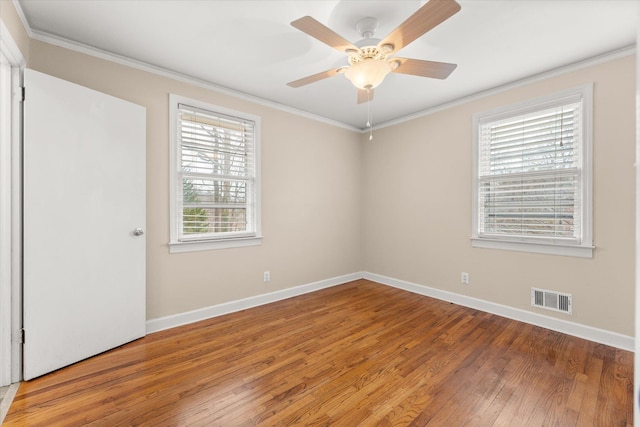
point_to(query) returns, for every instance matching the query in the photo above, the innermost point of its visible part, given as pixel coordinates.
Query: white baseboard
(162, 323)
(5, 404)
(570, 328)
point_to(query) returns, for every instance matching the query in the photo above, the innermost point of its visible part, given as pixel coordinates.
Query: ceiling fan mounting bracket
(367, 27)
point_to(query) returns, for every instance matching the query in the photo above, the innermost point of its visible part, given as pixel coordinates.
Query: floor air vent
(551, 300)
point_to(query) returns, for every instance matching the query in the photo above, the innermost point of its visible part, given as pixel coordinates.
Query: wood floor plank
(359, 354)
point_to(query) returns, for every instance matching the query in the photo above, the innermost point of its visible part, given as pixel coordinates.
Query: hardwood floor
(360, 354)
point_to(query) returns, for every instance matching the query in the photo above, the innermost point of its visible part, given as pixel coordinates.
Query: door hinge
(18, 94)
(22, 336)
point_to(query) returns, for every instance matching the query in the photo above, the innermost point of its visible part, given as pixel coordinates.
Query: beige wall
(400, 206)
(417, 207)
(12, 21)
(310, 193)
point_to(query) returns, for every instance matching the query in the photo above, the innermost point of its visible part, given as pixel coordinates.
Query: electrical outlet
(464, 278)
(267, 276)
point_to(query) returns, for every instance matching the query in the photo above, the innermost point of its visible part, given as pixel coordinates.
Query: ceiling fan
(369, 60)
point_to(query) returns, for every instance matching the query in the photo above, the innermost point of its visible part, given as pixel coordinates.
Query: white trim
(23, 18)
(576, 66)
(184, 78)
(9, 48)
(5, 219)
(11, 201)
(167, 322)
(581, 251)
(207, 245)
(5, 404)
(570, 328)
(122, 60)
(636, 382)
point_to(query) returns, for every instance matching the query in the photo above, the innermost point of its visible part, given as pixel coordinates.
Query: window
(532, 176)
(215, 197)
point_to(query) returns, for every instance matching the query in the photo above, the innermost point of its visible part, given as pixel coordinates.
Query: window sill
(539, 248)
(207, 245)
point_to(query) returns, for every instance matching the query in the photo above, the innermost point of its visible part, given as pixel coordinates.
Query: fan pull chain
(369, 117)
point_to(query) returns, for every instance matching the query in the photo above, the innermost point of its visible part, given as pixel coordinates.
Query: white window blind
(216, 182)
(530, 181)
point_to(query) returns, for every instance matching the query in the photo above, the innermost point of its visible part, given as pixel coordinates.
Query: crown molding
(9, 47)
(165, 72)
(23, 18)
(143, 66)
(590, 62)
(184, 78)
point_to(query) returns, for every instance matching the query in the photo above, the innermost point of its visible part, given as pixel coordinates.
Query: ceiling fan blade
(365, 96)
(419, 67)
(321, 32)
(314, 78)
(426, 18)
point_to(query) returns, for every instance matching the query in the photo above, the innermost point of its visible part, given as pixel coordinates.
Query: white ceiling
(250, 46)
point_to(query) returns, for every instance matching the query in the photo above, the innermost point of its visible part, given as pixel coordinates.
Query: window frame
(584, 248)
(175, 206)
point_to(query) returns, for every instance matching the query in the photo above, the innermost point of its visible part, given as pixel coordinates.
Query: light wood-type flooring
(359, 354)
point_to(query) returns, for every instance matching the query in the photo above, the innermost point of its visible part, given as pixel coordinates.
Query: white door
(84, 199)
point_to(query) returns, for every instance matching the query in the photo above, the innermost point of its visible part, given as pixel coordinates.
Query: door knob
(138, 232)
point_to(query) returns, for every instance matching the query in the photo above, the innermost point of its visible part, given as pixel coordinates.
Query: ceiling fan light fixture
(368, 74)
(369, 59)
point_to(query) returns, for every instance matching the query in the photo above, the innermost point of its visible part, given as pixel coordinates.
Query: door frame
(636, 382)
(11, 217)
